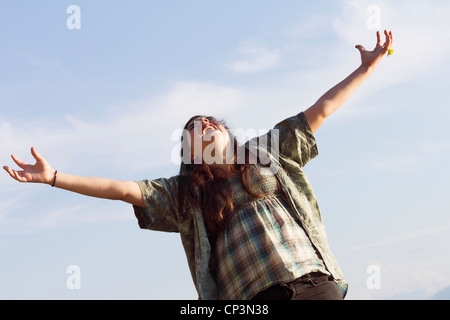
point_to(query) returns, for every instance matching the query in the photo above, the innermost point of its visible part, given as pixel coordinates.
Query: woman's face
(208, 140)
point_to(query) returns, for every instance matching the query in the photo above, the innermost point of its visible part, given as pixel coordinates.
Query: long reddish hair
(207, 187)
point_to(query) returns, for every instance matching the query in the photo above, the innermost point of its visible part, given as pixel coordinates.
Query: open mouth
(207, 127)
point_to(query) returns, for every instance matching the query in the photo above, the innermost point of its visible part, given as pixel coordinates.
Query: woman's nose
(205, 120)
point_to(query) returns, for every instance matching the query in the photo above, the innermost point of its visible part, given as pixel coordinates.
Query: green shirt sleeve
(161, 205)
(296, 140)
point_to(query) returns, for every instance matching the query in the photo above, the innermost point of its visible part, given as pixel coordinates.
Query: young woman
(247, 215)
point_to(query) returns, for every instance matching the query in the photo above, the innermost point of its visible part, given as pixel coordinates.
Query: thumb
(36, 155)
(360, 48)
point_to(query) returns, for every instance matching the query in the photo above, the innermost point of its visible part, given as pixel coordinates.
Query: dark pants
(312, 286)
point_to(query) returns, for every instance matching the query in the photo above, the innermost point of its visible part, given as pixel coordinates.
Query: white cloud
(435, 147)
(405, 237)
(44, 64)
(67, 215)
(135, 135)
(407, 279)
(255, 57)
(398, 163)
(411, 264)
(419, 27)
(408, 162)
(6, 205)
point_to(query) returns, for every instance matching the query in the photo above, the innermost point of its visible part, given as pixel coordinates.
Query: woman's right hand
(40, 172)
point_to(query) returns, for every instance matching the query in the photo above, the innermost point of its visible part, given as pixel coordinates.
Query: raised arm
(336, 96)
(42, 172)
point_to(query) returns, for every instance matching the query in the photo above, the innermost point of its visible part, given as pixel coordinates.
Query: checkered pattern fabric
(262, 244)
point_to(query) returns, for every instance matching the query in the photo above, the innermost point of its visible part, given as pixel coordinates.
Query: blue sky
(104, 101)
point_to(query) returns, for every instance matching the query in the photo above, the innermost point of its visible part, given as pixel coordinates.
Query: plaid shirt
(297, 148)
(262, 244)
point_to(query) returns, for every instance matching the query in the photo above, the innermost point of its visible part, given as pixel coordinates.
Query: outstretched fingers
(19, 162)
(36, 154)
(14, 174)
(19, 177)
(10, 172)
(389, 40)
(379, 39)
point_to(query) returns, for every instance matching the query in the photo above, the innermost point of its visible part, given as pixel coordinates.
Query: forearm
(336, 96)
(100, 187)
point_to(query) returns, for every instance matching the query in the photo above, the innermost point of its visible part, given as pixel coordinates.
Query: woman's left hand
(372, 58)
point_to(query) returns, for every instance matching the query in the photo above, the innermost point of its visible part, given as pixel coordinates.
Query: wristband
(54, 179)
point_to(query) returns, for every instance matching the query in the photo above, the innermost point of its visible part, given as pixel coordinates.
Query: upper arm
(315, 117)
(132, 193)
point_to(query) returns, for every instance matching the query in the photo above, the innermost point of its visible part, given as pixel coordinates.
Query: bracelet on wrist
(54, 178)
